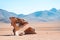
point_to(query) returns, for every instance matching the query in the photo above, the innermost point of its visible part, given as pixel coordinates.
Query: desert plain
(44, 30)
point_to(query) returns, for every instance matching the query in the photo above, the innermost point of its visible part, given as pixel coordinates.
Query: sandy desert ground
(44, 30)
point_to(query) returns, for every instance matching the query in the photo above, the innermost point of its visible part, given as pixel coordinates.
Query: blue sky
(28, 6)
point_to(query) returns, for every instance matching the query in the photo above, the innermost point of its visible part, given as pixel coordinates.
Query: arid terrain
(44, 30)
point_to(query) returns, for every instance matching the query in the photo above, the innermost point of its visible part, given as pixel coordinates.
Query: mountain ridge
(40, 16)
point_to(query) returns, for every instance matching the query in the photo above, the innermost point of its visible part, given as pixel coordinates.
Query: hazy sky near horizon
(28, 6)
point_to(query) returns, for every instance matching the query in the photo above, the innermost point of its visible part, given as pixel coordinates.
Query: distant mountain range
(40, 16)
